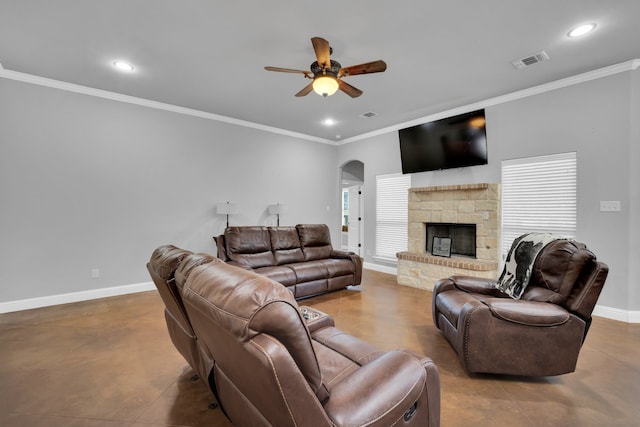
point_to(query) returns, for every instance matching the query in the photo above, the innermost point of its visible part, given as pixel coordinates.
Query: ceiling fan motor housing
(333, 71)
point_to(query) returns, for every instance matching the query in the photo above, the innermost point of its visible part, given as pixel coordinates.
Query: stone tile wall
(466, 204)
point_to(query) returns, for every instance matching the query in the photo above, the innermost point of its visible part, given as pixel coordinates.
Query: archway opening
(352, 183)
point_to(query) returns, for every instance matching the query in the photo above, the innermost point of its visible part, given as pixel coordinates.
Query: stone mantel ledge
(453, 262)
(481, 186)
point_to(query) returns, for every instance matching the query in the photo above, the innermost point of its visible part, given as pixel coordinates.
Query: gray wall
(599, 119)
(89, 183)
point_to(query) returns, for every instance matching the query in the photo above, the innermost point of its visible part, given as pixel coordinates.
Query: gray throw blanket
(519, 263)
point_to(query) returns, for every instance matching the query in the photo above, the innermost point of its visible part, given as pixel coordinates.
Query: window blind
(538, 195)
(391, 214)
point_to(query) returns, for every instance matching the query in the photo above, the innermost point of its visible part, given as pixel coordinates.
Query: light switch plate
(610, 206)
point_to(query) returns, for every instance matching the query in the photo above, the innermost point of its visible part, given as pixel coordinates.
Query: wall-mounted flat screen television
(453, 142)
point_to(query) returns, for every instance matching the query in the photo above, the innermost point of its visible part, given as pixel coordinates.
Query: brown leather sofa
(277, 364)
(538, 335)
(301, 258)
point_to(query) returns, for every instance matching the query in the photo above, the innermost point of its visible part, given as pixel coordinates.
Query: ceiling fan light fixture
(325, 85)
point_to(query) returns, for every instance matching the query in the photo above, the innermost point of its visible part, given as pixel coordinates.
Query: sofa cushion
(310, 270)
(315, 240)
(249, 246)
(338, 267)
(285, 245)
(279, 273)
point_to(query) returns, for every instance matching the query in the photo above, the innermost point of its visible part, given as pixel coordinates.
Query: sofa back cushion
(188, 264)
(556, 271)
(249, 246)
(285, 244)
(315, 240)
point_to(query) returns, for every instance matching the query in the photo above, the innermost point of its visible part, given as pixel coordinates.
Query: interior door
(355, 219)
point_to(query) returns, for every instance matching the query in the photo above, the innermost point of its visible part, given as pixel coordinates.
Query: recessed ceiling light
(582, 30)
(328, 122)
(123, 66)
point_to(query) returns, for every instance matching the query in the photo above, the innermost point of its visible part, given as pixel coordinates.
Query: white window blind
(391, 214)
(538, 195)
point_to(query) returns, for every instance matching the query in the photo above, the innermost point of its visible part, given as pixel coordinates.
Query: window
(538, 195)
(391, 215)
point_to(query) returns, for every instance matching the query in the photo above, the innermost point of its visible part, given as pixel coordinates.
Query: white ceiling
(209, 55)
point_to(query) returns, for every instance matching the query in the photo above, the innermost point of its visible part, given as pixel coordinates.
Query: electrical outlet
(610, 206)
(95, 273)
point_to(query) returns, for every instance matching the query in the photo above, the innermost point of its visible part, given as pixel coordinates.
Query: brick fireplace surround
(458, 204)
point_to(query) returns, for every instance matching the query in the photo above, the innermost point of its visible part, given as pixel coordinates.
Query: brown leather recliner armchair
(162, 266)
(538, 335)
(276, 364)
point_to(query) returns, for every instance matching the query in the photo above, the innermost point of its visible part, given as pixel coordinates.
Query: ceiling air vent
(368, 115)
(531, 59)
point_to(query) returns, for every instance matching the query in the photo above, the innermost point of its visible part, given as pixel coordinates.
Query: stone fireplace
(467, 214)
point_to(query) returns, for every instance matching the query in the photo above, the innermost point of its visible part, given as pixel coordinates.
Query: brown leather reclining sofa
(300, 258)
(541, 333)
(273, 363)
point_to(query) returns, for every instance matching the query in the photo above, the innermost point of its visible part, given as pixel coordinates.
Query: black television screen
(448, 143)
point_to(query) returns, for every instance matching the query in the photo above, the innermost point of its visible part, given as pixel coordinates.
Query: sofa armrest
(220, 246)
(357, 263)
(383, 391)
(529, 313)
(316, 319)
(341, 254)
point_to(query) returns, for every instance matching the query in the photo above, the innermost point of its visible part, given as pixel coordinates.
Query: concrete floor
(110, 362)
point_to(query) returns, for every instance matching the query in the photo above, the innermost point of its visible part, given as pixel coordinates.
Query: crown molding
(630, 65)
(114, 96)
(622, 67)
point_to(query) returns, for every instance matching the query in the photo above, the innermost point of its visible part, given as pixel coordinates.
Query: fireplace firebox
(463, 237)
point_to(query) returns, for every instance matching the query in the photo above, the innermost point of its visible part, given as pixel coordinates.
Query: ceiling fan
(327, 74)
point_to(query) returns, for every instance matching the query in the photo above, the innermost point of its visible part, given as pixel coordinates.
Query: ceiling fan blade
(367, 68)
(288, 70)
(348, 89)
(305, 90)
(323, 53)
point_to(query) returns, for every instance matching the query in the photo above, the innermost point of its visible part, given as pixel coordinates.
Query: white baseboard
(617, 314)
(380, 268)
(27, 304)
